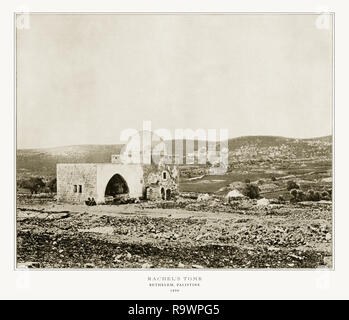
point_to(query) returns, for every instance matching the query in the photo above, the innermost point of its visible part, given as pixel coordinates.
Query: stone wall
(69, 179)
(158, 178)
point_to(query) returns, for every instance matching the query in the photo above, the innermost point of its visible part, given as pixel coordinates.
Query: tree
(252, 191)
(34, 184)
(52, 185)
(292, 185)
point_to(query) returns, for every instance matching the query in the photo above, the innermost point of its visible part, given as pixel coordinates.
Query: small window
(164, 175)
(80, 188)
(75, 188)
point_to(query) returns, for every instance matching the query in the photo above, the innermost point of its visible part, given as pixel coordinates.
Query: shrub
(310, 195)
(247, 181)
(252, 191)
(301, 196)
(292, 185)
(317, 196)
(324, 194)
(273, 178)
(313, 195)
(294, 194)
(297, 195)
(45, 189)
(281, 198)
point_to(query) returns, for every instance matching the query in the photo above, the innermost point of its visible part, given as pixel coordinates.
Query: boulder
(235, 194)
(263, 202)
(147, 265)
(203, 197)
(196, 266)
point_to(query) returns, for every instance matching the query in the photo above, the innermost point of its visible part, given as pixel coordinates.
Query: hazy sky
(81, 79)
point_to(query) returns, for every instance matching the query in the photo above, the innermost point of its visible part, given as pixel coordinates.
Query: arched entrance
(168, 194)
(116, 187)
(163, 194)
(146, 193)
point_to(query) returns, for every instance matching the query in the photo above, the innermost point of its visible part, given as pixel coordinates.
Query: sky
(83, 78)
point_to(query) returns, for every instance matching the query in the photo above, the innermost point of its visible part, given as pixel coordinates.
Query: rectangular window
(75, 188)
(80, 188)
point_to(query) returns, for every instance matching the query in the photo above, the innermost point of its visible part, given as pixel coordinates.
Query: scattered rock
(89, 265)
(274, 249)
(196, 266)
(235, 194)
(328, 262)
(203, 197)
(263, 202)
(202, 236)
(147, 266)
(103, 230)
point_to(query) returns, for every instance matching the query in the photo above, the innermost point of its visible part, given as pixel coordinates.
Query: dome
(145, 147)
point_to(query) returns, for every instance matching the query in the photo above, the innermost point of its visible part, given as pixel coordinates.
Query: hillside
(273, 141)
(279, 148)
(43, 161)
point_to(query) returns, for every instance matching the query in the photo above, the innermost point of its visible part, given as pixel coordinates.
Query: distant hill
(273, 148)
(273, 141)
(43, 161)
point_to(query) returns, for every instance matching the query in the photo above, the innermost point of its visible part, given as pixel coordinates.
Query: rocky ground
(175, 234)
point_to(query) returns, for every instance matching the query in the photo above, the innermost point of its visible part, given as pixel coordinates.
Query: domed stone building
(152, 180)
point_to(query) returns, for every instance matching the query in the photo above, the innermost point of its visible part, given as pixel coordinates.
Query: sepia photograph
(174, 141)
